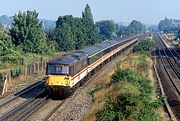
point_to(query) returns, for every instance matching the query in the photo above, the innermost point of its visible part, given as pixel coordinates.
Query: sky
(146, 11)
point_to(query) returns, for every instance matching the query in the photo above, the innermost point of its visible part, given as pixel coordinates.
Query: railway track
(170, 57)
(28, 100)
(168, 72)
(25, 109)
(175, 52)
(23, 93)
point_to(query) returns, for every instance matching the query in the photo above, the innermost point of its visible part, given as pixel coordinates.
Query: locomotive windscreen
(58, 69)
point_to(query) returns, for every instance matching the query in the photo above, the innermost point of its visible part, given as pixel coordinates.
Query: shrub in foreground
(133, 101)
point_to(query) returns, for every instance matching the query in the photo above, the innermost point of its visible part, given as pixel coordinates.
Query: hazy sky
(147, 11)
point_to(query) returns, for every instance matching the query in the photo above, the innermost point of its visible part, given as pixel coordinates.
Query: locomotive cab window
(58, 69)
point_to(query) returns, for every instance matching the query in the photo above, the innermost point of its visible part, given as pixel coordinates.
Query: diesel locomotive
(66, 72)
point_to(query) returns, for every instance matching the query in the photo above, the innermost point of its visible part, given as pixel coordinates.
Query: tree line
(134, 27)
(76, 33)
(170, 26)
(71, 33)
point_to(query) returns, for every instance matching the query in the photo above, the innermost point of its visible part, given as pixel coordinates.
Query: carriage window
(55, 69)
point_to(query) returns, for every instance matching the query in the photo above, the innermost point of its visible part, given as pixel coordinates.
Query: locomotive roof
(98, 47)
(69, 58)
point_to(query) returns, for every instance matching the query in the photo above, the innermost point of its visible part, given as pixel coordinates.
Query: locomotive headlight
(67, 77)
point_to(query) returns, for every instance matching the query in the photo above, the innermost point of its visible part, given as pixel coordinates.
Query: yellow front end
(59, 80)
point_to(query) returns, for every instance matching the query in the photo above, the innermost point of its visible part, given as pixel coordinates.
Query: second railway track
(20, 104)
(26, 108)
(168, 72)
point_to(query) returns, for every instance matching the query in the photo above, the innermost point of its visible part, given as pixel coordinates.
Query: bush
(16, 72)
(108, 113)
(133, 101)
(126, 105)
(12, 56)
(144, 46)
(8, 53)
(124, 75)
(122, 108)
(148, 113)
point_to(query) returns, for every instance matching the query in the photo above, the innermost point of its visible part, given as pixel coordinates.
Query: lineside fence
(23, 70)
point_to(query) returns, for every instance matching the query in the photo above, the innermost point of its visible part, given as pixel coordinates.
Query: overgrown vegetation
(7, 50)
(145, 46)
(133, 100)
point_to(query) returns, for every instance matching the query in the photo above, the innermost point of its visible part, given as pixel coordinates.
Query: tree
(136, 27)
(80, 34)
(76, 27)
(27, 32)
(107, 28)
(91, 31)
(7, 50)
(133, 27)
(5, 41)
(82, 31)
(87, 13)
(165, 25)
(64, 38)
(123, 31)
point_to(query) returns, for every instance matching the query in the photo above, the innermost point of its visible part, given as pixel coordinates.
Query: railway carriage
(67, 72)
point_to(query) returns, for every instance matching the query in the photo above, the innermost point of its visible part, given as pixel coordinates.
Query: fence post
(29, 68)
(45, 64)
(25, 70)
(38, 66)
(41, 64)
(9, 76)
(34, 68)
(5, 85)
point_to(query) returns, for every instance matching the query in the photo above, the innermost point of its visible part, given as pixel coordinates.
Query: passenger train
(68, 71)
